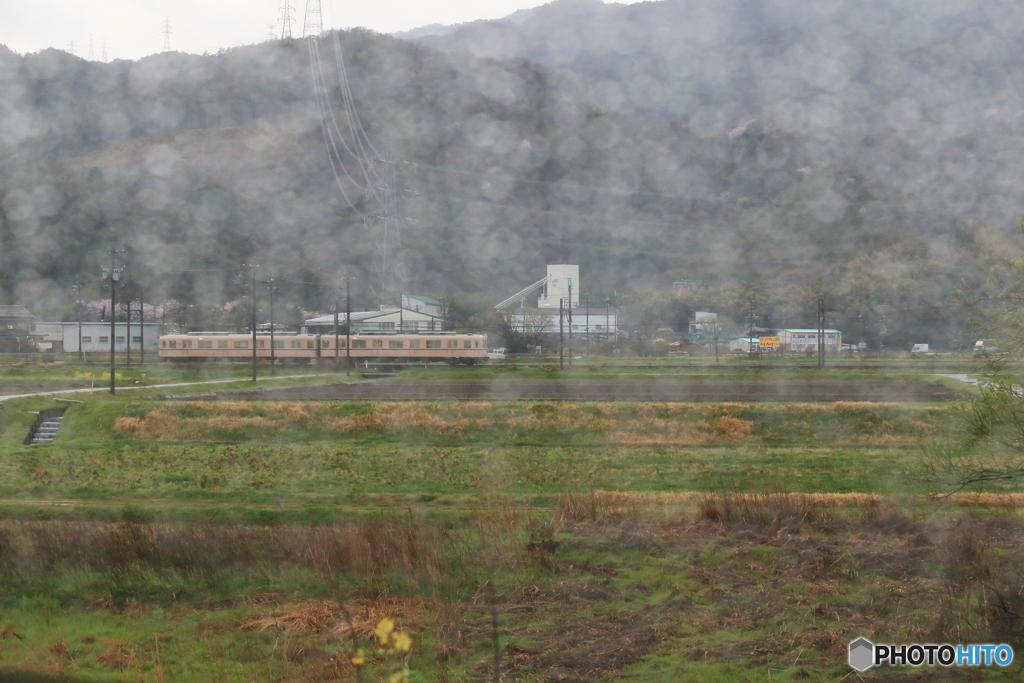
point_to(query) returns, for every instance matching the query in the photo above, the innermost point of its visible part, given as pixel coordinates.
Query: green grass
(140, 544)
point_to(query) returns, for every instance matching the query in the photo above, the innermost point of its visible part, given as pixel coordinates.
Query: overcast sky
(134, 28)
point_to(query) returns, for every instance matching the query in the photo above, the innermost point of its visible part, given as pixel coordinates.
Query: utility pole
(586, 313)
(78, 309)
(335, 309)
(273, 357)
(561, 332)
(128, 327)
(142, 327)
(570, 323)
(821, 330)
(115, 276)
(348, 327)
(252, 291)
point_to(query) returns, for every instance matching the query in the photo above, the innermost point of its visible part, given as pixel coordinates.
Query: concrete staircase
(45, 428)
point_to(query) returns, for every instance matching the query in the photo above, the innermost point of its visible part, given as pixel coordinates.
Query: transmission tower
(167, 34)
(71, 47)
(286, 20)
(90, 48)
(387, 235)
(314, 24)
(271, 32)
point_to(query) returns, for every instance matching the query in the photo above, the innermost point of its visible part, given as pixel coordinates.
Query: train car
(200, 346)
(450, 347)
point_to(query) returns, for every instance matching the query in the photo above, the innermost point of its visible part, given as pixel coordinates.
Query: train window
(187, 344)
(342, 344)
(222, 343)
(378, 343)
(414, 343)
(260, 344)
(324, 344)
(309, 344)
(163, 345)
(476, 345)
(241, 344)
(173, 344)
(359, 344)
(206, 343)
(278, 344)
(467, 344)
(453, 344)
(394, 344)
(433, 343)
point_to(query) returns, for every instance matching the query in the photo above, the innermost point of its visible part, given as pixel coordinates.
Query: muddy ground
(659, 390)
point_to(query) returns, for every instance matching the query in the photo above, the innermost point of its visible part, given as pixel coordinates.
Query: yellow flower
(383, 630)
(358, 658)
(402, 641)
(399, 677)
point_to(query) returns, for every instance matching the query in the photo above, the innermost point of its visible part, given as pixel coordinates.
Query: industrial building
(95, 336)
(388, 319)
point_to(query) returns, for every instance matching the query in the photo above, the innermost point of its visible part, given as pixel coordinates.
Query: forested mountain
(768, 149)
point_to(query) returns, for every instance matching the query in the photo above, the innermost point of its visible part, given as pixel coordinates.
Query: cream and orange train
(451, 347)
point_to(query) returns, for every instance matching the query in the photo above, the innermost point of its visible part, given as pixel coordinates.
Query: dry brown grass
(356, 619)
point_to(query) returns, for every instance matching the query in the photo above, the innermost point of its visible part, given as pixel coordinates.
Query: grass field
(514, 541)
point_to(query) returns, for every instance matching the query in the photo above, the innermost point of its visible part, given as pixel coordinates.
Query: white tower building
(560, 277)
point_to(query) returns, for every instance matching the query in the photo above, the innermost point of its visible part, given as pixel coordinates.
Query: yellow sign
(768, 342)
